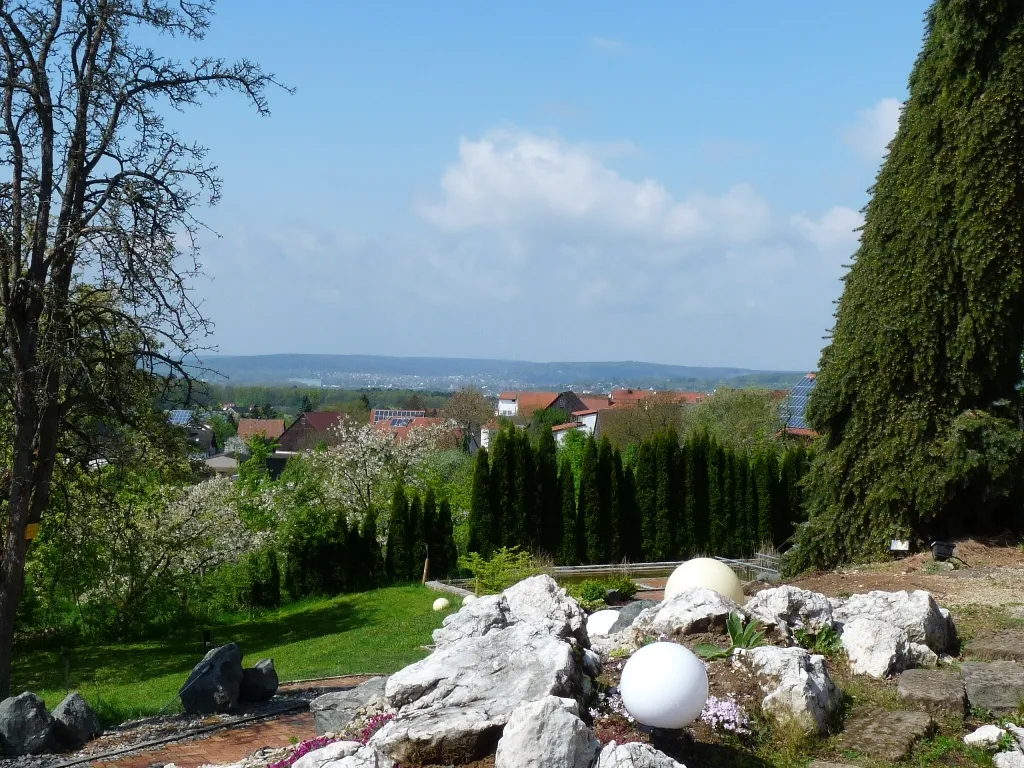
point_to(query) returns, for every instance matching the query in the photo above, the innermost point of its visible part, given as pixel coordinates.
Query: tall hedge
(917, 391)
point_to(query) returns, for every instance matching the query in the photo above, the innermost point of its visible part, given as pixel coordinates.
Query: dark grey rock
(995, 686)
(887, 736)
(26, 728)
(1003, 646)
(76, 722)
(333, 712)
(628, 614)
(940, 691)
(215, 682)
(260, 682)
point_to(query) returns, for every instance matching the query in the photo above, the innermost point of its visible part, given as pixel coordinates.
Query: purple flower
(725, 715)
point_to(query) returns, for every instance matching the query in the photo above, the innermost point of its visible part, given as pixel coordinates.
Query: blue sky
(673, 182)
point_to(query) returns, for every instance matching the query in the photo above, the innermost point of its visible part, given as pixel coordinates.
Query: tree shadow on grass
(42, 667)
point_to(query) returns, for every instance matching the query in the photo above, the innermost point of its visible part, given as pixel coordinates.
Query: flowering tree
(359, 468)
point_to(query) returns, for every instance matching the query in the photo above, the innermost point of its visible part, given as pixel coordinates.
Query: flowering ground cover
(370, 632)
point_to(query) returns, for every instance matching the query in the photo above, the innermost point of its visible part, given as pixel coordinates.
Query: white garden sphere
(663, 685)
(708, 573)
(600, 622)
(441, 604)
(468, 599)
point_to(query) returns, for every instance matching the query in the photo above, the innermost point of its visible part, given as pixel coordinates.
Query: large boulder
(454, 703)
(690, 612)
(791, 607)
(333, 712)
(26, 728)
(547, 734)
(325, 755)
(76, 722)
(634, 755)
(914, 612)
(215, 682)
(537, 600)
(798, 686)
(875, 648)
(628, 614)
(260, 682)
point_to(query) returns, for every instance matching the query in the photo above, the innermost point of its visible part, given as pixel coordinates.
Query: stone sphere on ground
(708, 573)
(441, 604)
(664, 685)
(468, 599)
(600, 622)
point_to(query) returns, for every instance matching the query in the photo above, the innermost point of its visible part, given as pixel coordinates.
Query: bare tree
(100, 197)
(469, 408)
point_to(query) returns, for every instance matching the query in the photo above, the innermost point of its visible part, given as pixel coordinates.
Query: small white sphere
(468, 599)
(663, 685)
(441, 604)
(708, 573)
(600, 622)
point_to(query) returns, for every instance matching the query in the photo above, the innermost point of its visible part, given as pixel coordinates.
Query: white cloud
(833, 230)
(530, 183)
(870, 135)
(609, 45)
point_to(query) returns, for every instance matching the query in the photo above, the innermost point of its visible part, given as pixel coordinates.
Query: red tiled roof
(584, 413)
(567, 425)
(268, 428)
(596, 402)
(801, 432)
(528, 402)
(321, 420)
(628, 397)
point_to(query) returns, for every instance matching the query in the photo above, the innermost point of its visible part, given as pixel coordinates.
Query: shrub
(497, 573)
(623, 585)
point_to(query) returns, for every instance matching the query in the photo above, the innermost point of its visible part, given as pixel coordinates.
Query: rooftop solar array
(180, 418)
(796, 403)
(400, 422)
(380, 414)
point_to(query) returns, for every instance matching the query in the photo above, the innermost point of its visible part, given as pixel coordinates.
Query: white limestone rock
(1017, 733)
(539, 600)
(547, 734)
(792, 607)
(366, 757)
(797, 685)
(691, 611)
(1013, 759)
(915, 612)
(454, 703)
(920, 655)
(483, 615)
(634, 755)
(986, 737)
(875, 648)
(321, 757)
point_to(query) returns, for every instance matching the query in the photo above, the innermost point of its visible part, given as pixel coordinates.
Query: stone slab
(1002, 646)
(885, 735)
(995, 686)
(939, 691)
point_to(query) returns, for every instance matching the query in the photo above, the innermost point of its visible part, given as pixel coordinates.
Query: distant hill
(441, 373)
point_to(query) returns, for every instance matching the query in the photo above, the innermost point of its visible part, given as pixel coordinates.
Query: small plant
(980, 713)
(623, 585)
(742, 636)
(826, 642)
(620, 653)
(592, 591)
(293, 740)
(725, 715)
(1007, 743)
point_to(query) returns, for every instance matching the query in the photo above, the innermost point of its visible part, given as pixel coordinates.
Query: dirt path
(231, 744)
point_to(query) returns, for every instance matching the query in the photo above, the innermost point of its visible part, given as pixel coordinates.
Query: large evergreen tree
(647, 496)
(573, 546)
(503, 485)
(916, 392)
(416, 548)
(427, 529)
(443, 553)
(549, 497)
(607, 515)
(697, 500)
(523, 524)
(480, 522)
(589, 510)
(397, 558)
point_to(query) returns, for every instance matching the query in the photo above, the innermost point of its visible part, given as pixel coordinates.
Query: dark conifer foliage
(481, 526)
(917, 391)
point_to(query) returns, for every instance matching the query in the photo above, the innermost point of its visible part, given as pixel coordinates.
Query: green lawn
(379, 631)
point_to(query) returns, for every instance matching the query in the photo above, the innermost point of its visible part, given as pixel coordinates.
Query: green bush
(592, 591)
(623, 585)
(506, 567)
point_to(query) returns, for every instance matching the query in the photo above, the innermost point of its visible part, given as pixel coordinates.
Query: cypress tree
(522, 527)
(397, 557)
(370, 548)
(607, 515)
(666, 524)
(428, 529)
(697, 501)
(444, 555)
(684, 525)
(718, 531)
(752, 505)
(549, 497)
(618, 507)
(502, 484)
(571, 549)
(630, 528)
(765, 498)
(740, 536)
(916, 391)
(480, 523)
(646, 476)
(589, 509)
(415, 546)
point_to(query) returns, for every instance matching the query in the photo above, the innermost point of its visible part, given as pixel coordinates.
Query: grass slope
(379, 631)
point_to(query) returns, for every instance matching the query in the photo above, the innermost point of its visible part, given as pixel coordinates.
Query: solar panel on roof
(796, 403)
(180, 418)
(400, 422)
